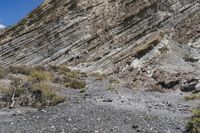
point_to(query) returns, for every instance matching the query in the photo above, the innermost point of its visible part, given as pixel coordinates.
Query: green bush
(193, 125)
(57, 99)
(193, 96)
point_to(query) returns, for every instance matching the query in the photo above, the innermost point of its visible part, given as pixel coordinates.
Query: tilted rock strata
(112, 36)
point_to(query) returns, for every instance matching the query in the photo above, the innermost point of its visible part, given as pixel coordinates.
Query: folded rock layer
(122, 37)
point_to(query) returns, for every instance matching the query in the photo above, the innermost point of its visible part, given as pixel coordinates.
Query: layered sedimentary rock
(122, 37)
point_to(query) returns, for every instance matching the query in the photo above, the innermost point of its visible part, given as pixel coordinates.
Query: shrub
(75, 75)
(63, 69)
(40, 76)
(46, 89)
(17, 81)
(14, 88)
(19, 91)
(23, 69)
(11, 91)
(71, 74)
(57, 99)
(75, 84)
(35, 88)
(193, 125)
(5, 91)
(46, 94)
(82, 74)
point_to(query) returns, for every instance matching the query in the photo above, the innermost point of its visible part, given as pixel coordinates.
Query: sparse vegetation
(75, 84)
(45, 92)
(40, 76)
(57, 99)
(71, 79)
(38, 86)
(5, 90)
(45, 89)
(11, 91)
(111, 87)
(17, 81)
(193, 96)
(113, 84)
(71, 74)
(193, 125)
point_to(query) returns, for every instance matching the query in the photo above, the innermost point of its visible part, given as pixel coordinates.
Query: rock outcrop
(128, 38)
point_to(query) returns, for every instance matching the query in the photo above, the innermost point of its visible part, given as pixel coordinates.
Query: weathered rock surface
(145, 42)
(112, 36)
(100, 35)
(97, 32)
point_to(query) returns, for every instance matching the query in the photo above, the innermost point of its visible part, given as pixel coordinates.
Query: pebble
(108, 100)
(134, 126)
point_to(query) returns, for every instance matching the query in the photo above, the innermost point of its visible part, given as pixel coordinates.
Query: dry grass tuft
(40, 76)
(45, 92)
(75, 84)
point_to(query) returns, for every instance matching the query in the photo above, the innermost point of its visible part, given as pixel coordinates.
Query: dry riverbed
(104, 109)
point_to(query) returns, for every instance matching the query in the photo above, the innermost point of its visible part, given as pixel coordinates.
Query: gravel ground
(99, 110)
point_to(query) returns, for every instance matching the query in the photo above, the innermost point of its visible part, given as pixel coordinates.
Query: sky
(12, 11)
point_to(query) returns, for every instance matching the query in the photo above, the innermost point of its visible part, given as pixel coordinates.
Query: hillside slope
(110, 36)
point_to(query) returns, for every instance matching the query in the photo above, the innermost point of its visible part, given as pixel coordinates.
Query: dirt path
(104, 111)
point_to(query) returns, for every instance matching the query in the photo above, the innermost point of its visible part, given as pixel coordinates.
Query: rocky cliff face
(122, 37)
